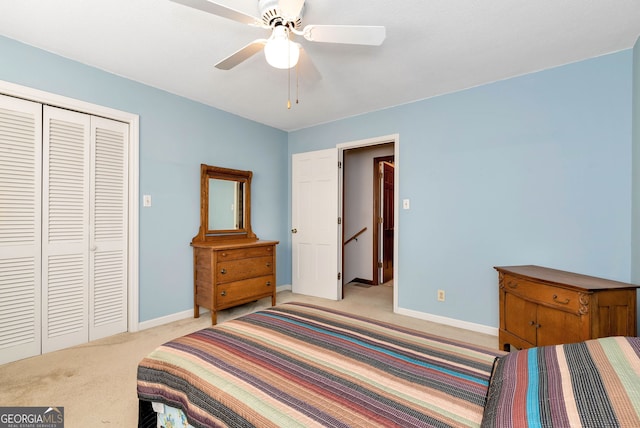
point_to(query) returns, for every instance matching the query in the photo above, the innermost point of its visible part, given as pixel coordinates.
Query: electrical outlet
(440, 295)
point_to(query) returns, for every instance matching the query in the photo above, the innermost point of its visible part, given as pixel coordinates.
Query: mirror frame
(208, 172)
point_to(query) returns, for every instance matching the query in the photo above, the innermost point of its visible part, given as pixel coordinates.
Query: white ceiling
(432, 47)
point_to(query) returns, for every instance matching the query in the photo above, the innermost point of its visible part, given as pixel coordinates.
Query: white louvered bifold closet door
(65, 228)
(108, 223)
(20, 176)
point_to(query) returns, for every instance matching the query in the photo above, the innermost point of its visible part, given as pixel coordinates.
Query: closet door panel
(65, 228)
(20, 217)
(108, 223)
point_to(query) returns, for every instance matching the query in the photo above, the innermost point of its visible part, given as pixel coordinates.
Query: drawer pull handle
(565, 302)
(223, 271)
(534, 324)
(224, 293)
(268, 283)
(512, 284)
(268, 264)
(224, 254)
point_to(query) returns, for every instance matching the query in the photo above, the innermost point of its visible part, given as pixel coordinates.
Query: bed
(595, 383)
(303, 365)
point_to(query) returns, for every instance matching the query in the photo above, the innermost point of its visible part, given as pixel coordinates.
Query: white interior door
(20, 217)
(108, 228)
(314, 219)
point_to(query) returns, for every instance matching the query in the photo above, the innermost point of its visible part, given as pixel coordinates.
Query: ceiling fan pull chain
(297, 85)
(289, 89)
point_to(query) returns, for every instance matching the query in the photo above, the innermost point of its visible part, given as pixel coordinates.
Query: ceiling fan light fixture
(280, 51)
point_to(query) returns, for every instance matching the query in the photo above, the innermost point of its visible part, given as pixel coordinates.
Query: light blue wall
(176, 136)
(531, 170)
(534, 169)
(635, 178)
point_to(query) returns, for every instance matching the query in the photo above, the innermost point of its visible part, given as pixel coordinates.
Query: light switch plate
(406, 204)
(146, 201)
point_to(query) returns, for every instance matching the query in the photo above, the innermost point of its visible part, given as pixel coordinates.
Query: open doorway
(315, 201)
(368, 214)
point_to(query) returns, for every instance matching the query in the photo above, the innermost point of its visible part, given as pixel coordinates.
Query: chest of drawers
(228, 274)
(541, 306)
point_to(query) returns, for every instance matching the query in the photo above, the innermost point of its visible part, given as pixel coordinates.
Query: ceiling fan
(284, 19)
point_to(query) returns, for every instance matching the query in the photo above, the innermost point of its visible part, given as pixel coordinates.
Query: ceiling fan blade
(291, 8)
(241, 55)
(220, 10)
(349, 34)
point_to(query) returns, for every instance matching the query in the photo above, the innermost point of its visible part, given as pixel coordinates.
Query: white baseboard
(286, 287)
(143, 325)
(479, 328)
(169, 318)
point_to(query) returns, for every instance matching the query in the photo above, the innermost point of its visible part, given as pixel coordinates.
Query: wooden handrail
(355, 236)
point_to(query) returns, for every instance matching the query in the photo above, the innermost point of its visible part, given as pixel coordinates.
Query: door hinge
(339, 220)
(380, 264)
(339, 164)
(339, 275)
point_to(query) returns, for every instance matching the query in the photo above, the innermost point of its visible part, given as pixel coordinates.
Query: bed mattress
(303, 365)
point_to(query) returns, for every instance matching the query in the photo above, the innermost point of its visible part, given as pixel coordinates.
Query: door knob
(294, 230)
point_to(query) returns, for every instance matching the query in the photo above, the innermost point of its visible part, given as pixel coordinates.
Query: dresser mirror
(225, 204)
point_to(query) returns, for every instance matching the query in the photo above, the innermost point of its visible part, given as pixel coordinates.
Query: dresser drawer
(235, 270)
(243, 253)
(244, 291)
(548, 295)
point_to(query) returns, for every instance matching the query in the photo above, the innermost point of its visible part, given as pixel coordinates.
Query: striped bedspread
(302, 365)
(589, 384)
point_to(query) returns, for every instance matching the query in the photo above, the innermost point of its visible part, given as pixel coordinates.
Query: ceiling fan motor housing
(273, 17)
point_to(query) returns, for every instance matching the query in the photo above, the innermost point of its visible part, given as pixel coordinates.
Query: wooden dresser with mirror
(231, 266)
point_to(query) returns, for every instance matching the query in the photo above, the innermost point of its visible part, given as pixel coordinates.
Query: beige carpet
(96, 382)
